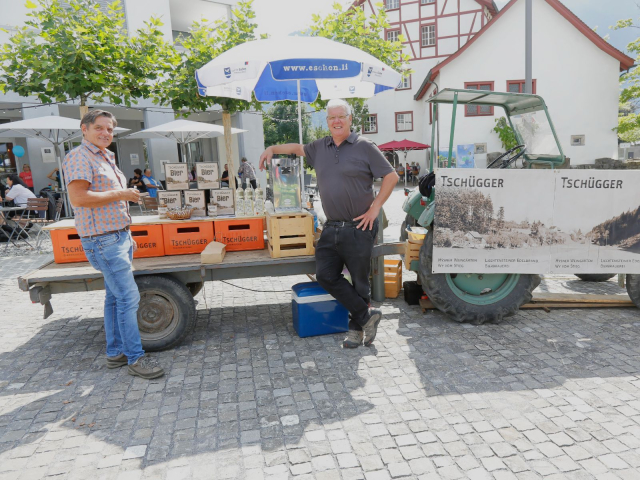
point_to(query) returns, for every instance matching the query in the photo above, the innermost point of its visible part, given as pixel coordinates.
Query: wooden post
(226, 123)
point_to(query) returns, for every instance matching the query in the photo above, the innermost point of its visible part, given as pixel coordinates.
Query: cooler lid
(308, 289)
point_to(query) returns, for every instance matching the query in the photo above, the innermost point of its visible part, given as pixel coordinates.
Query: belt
(334, 223)
(125, 229)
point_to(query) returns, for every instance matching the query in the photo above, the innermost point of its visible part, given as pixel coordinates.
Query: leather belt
(333, 223)
(125, 229)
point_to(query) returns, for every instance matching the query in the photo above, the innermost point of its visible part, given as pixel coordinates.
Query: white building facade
(574, 70)
(177, 16)
(432, 30)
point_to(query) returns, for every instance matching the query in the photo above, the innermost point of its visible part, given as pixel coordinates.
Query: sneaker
(146, 368)
(354, 339)
(371, 327)
(117, 362)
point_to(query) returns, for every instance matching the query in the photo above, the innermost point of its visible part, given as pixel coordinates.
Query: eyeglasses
(341, 117)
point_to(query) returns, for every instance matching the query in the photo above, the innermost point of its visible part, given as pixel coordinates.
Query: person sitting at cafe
(55, 176)
(225, 176)
(18, 191)
(136, 181)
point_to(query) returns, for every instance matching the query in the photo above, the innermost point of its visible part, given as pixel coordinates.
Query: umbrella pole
(405, 168)
(301, 179)
(63, 186)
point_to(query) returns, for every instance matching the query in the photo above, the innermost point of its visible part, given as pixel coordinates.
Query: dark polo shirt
(345, 174)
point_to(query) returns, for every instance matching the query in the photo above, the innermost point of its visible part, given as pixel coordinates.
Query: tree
(352, 27)
(79, 52)
(178, 87)
(500, 219)
(505, 133)
(629, 121)
(280, 124)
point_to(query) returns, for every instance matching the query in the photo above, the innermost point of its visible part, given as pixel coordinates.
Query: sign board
(135, 159)
(195, 199)
(48, 155)
(207, 175)
(223, 200)
(168, 200)
(537, 221)
(176, 176)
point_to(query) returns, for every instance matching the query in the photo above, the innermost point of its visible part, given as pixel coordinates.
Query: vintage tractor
(488, 297)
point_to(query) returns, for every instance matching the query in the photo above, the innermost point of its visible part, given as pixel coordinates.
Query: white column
(34, 146)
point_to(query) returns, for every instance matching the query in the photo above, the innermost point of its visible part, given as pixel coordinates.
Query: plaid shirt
(88, 162)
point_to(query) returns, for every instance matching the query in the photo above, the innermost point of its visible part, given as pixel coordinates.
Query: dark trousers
(253, 183)
(341, 246)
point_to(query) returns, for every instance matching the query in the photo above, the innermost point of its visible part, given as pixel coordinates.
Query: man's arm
(149, 184)
(388, 182)
(285, 149)
(81, 196)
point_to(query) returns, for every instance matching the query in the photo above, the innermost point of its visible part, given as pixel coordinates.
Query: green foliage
(505, 133)
(81, 52)
(280, 124)
(629, 121)
(352, 27)
(318, 132)
(205, 41)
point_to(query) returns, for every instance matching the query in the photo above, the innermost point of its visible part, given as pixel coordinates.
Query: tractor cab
(526, 114)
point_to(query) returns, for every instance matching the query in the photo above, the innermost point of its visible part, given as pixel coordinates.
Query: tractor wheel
(633, 288)
(167, 311)
(408, 221)
(475, 298)
(595, 277)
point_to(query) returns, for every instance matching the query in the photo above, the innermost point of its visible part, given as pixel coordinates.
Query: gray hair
(338, 102)
(91, 117)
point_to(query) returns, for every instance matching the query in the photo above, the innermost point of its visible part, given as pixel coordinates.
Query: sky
(282, 17)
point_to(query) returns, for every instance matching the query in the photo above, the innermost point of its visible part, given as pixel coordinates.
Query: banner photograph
(537, 221)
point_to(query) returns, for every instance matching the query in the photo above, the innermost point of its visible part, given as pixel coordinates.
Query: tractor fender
(427, 216)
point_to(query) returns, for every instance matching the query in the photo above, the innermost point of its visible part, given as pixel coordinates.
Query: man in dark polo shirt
(346, 165)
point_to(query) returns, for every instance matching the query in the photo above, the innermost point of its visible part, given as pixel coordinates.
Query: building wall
(456, 21)
(569, 69)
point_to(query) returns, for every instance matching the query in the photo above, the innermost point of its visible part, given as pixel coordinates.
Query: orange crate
(186, 237)
(67, 247)
(240, 234)
(149, 240)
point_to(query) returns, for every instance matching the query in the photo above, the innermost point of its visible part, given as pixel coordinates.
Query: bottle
(239, 202)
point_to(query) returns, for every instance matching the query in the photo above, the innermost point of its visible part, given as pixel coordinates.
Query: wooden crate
(290, 234)
(392, 278)
(411, 252)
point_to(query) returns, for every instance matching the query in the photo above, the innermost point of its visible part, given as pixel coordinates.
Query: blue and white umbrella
(295, 68)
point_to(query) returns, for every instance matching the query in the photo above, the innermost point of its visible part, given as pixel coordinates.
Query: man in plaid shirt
(99, 195)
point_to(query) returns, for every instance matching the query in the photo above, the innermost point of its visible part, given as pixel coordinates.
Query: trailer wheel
(633, 288)
(167, 311)
(475, 298)
(195, 288)
(595, 277)
(408, 221)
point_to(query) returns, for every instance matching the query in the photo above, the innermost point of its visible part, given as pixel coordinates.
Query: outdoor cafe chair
(37, 205)
(149, 204)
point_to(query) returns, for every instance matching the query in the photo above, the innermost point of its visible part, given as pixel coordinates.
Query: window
(370, 124)
(428, 37)
(391, 4)
(425, 2)
(405, 83)
(478, 110)
(404, 121)
(630, 156)
(517, 86)
(392, 35)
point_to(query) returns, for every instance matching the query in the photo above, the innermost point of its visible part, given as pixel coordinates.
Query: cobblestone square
(542, 395)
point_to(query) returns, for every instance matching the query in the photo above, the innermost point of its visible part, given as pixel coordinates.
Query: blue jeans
(112, 255)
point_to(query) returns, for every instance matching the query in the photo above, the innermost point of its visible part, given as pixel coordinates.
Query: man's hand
(265, 157)
(135, 245)
(130, 195)
(368, 218)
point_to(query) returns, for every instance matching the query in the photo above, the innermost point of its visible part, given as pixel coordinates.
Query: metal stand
(377, 266)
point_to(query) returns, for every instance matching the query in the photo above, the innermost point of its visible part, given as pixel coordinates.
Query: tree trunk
(84, 109)
(226, 123)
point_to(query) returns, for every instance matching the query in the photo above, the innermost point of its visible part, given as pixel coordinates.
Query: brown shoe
(146, 368)
(117, 362)
(371, 327)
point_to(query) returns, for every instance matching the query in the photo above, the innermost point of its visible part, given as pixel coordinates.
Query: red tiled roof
(626, 61)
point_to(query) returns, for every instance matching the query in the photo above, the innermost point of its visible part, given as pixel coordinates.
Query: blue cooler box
(315, 312)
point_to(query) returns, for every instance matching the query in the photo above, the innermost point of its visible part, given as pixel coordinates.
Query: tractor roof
(513, 103)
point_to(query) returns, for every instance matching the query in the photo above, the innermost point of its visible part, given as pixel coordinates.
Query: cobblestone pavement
(542, 395)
